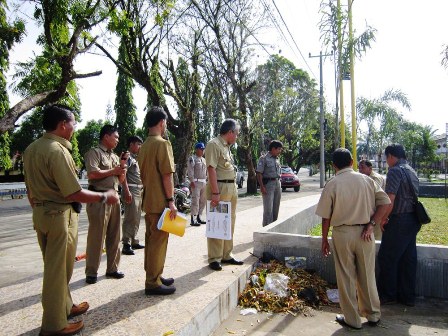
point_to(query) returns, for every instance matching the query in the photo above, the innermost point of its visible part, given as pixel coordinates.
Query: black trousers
(397, 259)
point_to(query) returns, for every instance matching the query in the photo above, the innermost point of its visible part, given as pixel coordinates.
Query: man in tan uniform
(156, 163)
(54, 194)
(221, 186)
(132, 189)
(104, 171)
(197, 174)
(353, 204)
(365, 167)
(268, 175)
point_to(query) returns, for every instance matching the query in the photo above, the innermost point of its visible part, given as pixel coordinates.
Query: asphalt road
(20, 256)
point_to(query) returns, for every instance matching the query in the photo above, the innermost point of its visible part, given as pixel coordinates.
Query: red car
(289, 179)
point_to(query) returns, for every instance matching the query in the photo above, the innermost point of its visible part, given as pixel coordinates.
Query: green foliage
(434, 233)
(75, 151)
(285, 102)
(9, 35)
(89, 136)
(126, 116)
(30, 130)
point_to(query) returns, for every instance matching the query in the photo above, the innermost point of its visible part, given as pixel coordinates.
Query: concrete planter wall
(288, 238)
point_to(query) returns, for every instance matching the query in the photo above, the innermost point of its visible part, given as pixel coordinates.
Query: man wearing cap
(268, 176)
(132, 188)
(197, 174)
(221, 186)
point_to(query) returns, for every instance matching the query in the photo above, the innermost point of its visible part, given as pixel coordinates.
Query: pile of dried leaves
(306, 291)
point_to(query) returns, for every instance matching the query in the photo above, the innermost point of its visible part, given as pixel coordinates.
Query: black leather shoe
(167, 281)
(127, 249)
(216, 266)
(161, 290)
(115, 275)
(341, 320)
(138, 246)
(91, 279)
(232, 262)
(200, 221)
(373, 323)
(195, 224)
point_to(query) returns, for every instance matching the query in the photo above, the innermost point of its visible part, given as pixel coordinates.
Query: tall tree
(284, 103)
(380, 120)
(145, 28)
(335, 38)
(9, 35)
(230, 28)
(125, 110)
(65, 28)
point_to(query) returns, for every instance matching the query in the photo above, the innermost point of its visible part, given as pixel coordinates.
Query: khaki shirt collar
(104, 149)
(223, 141)
(345, 170)
(62, 141)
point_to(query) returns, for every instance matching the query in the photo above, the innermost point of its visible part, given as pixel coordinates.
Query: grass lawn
(435, 233)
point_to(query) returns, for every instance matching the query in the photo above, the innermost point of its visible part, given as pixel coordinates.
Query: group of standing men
(354, 204)
(55, 196)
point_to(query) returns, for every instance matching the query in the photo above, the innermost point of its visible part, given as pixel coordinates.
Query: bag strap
(410, 183)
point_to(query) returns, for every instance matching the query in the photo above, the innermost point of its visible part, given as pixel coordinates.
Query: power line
(289, 32)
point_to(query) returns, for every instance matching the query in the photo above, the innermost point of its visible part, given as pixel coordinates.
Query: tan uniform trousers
(355, 273)
(104, 225)
(57, 232)
(198, 199)
(156, 242)
(220, 249)
(132, 216)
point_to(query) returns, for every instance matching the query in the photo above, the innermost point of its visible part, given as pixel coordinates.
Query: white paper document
(219, 221)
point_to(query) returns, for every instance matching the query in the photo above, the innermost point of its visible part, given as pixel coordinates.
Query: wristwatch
(372, 222)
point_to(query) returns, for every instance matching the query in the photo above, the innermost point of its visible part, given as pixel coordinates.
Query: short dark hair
(132, 139)
(54, 114)
(342, 158)
(396, 150)
(107, 129)
(366, 163)
(275, 144)
(228, 125)
(154, 115)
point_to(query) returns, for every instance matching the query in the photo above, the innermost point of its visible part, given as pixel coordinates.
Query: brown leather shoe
(78, 309)
(70, 329)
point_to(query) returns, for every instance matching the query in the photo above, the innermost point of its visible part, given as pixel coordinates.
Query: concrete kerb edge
(209, 318)
(432, 264)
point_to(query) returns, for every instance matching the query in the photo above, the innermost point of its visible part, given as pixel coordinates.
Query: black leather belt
(226, 181)
(270, 178)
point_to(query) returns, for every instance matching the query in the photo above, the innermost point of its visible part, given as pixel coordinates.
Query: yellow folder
(176, 226)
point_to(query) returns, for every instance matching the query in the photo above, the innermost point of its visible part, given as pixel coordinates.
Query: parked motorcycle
(182, 197)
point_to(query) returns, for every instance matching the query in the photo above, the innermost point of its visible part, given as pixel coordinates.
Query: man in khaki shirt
(353, 204)
(156, 163)
(104, 171)
(54, 194)
(221, 186)
(365, 167)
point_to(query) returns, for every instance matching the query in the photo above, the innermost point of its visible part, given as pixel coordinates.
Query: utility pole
(352, 85)
(321, 121)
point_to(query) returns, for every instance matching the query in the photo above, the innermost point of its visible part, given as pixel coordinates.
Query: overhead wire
(292, 38)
